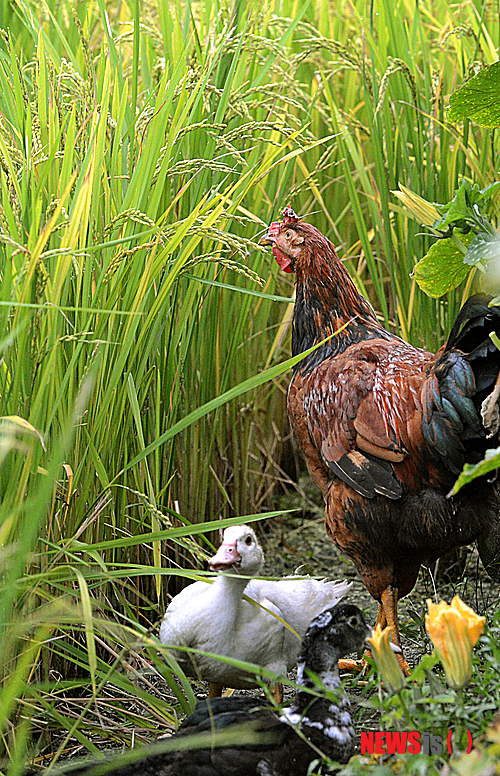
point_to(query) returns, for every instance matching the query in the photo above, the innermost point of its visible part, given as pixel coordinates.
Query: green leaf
(442, 268)
(459, 208)
(466, 208)
(490, 462)
(483, 249)
(478, 99)
(426, 664)
(240, 290)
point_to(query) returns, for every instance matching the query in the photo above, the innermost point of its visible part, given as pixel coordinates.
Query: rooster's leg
(381, 619)
(346, 664)
(215, 690)
(388, 614)
(277, 692)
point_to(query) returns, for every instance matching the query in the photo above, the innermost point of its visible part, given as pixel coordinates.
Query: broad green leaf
(478, 99)
(89, 627)
(459, 209)
(490, 462)
(175, 533)
(442, 268)
(218, 401)
(483, 249)
(467, 208)
(240, 290)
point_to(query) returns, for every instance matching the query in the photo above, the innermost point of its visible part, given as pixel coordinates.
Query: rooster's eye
(288, 234)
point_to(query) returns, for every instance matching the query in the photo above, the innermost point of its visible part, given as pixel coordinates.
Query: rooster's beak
(270, 237)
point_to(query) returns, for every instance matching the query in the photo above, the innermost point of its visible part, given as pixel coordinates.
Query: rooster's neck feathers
(327, 302)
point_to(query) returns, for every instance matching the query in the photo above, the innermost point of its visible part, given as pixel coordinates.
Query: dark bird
(386, 427)
(317, 723)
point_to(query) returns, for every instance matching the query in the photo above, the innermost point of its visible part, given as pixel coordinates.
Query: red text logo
(412, 742)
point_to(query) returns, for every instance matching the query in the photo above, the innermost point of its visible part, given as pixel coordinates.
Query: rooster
(386, 427)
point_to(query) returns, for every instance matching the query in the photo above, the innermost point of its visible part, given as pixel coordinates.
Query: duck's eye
(353, 622)
(288, 234)
(249, 540)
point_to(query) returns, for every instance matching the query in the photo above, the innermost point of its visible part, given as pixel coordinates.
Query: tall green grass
(143, 149)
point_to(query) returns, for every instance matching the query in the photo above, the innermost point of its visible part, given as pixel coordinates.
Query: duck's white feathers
(299, 599)
(215, 617)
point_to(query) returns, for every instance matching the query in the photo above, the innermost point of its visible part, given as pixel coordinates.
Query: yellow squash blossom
(387, 662)
(454, 629)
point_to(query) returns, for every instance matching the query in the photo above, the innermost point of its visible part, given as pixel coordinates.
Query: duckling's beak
(227, 556)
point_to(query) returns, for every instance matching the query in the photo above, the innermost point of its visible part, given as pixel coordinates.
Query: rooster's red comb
(289, 216)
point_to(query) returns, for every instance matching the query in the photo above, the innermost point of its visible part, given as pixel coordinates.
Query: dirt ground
(292, 543)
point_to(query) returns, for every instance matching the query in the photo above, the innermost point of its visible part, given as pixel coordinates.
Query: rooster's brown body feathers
(385, 427)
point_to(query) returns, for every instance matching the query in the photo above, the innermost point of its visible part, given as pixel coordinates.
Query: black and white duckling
(216, 617)
(324, 721)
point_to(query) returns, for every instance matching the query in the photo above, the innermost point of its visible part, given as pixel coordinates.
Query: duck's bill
(226, 557)
(223, 566)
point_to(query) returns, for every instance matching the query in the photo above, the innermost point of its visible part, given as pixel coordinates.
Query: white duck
(217, 617)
